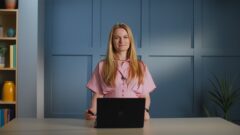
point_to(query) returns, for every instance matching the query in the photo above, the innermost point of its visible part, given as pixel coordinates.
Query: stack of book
(6, 115)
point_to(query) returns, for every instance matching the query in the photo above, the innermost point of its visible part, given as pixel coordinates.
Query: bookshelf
(8, 66)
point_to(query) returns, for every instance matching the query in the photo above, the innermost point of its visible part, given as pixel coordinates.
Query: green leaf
(223, 94)
(215, 88)
(217, 100)
(207, 111)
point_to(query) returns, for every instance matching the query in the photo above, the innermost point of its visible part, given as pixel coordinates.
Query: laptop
(120, 113)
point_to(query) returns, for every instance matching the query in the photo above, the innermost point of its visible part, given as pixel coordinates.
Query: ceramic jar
(10, 4)
(8, 91)
(11, 32)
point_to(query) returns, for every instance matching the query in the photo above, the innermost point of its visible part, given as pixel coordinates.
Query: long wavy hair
(110, 64)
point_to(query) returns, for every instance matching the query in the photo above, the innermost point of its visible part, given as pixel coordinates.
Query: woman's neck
(121, 56)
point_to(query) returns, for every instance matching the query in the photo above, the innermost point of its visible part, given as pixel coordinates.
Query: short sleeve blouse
(122, 89)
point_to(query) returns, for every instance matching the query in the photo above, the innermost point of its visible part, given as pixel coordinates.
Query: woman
(120, 74)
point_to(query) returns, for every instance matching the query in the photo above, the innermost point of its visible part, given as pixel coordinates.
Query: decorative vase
(10, 4)
(2, 61)
(11, 32)
(1, 30)
(8, 91)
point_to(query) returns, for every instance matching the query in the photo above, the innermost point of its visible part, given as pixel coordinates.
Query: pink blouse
(122, 89)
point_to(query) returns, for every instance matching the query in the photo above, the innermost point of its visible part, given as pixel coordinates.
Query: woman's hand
(147, 105)
(89, 115)
(146, 115)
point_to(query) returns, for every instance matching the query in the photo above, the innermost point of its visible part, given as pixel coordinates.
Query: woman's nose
(121, 39)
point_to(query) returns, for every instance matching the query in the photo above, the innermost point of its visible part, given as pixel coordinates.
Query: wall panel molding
(176, 39)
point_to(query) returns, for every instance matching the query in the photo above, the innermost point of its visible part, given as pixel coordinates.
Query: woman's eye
(115, 37)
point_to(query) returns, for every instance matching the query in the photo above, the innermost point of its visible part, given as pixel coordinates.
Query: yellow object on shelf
(8, 91)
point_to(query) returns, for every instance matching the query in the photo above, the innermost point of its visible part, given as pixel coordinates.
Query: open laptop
(120, 113)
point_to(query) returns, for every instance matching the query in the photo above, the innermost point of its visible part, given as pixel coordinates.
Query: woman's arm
(93, 107)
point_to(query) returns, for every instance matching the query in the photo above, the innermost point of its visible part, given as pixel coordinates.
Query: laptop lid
(120, 113)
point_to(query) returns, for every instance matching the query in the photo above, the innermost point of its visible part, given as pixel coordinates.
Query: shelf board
(8, 69)
(8, 38)
(7, 102)
(8, 10)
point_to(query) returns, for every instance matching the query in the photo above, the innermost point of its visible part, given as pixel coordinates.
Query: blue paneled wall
(182, 42)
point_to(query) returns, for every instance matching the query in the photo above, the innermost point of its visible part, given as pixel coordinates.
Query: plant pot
(11, 4)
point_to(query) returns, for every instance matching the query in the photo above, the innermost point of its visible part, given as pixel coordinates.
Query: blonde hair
(110, 65)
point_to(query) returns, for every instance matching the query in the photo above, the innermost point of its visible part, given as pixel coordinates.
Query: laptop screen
(120, 112)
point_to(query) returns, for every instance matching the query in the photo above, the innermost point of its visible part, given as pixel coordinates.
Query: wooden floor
(161, 126)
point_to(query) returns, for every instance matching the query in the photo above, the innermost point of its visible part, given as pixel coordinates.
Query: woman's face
(121, 41)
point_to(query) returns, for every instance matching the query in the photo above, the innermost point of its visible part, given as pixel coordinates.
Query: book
(1, 117)
(6, 115)
(11, 114)
(5, 111)
(12, 57)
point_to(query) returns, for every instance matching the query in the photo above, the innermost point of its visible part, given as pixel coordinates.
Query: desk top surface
(165, 126)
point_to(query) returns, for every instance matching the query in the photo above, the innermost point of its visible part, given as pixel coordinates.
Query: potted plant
(3, 50)
(223, 94)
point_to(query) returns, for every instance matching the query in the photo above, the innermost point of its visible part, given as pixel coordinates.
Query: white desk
(161, 126)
